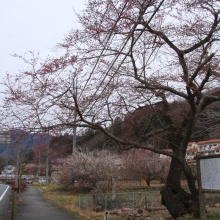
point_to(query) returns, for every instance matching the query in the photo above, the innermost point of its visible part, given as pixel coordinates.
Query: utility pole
(39, 170)
(47, 160)
(74, 136)
(17, 165)
(46, 131)
(6, 158)
(18, 178)
(47, 166)
(74, 128)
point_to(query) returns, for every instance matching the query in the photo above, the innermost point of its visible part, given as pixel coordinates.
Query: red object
(13, 185)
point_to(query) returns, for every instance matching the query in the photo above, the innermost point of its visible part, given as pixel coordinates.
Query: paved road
(34, 207)
(5, 192)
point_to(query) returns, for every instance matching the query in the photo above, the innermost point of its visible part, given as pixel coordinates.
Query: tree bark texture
(178, 201)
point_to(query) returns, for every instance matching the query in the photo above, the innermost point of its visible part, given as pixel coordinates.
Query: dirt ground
(156, 215)
(159, 215)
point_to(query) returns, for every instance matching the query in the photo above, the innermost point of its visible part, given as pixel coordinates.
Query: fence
(133, 200)
(212, 198)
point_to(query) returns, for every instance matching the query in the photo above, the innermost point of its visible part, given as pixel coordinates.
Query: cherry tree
(147, 165)
(128, 55)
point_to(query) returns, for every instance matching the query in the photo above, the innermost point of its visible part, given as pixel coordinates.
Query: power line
(117, 56)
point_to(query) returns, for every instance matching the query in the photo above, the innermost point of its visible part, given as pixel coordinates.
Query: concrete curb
(10, 210)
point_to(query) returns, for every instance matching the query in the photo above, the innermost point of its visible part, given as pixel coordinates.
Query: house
(217, 149)
(190, 154)
(163, 156)
(207, 147)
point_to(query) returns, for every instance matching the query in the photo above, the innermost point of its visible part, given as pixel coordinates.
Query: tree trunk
(195, 193)
(177, 201)
(148, 182)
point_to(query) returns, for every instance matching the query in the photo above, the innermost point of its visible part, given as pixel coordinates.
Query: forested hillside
(145, 120)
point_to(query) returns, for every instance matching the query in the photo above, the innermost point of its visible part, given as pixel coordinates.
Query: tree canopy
(128, 54)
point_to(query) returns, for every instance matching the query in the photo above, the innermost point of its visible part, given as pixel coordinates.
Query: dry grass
(70, 202)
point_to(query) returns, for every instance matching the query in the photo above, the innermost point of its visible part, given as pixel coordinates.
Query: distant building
(9, 170)
(163, 156)
(208, 147)
(190, 154)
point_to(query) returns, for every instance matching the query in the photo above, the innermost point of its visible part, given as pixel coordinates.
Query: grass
(69, 201)
(213, 216)
(209, 216)
(14, 215)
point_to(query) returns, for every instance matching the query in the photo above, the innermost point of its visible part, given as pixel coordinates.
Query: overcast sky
(33, 25)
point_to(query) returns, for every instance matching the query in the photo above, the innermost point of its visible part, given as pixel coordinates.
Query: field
(70, 202)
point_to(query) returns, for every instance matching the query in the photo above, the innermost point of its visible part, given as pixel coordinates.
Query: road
(5, 192)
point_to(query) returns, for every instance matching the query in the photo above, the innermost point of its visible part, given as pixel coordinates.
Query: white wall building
(208, 147)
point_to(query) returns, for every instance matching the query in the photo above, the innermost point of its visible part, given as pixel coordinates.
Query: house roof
(166, 150)
(192, 150)
(217, 148)
(191, 143)
(209, 141)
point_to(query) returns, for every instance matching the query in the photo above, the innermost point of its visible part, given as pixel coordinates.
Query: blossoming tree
(128, 55)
